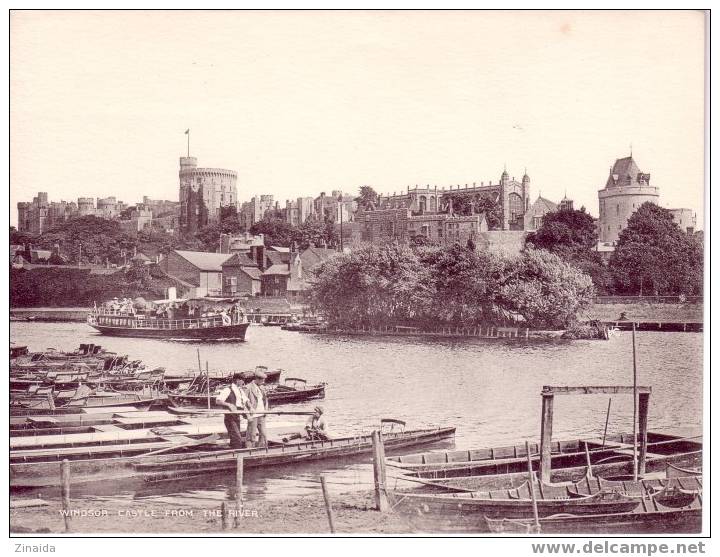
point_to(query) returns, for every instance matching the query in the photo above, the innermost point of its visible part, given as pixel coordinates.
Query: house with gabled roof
(241, 276)
(201, 269)
(535, 213)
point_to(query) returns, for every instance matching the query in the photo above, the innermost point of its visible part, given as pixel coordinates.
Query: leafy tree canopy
(565, 230)
(654, 256)
(367, 199)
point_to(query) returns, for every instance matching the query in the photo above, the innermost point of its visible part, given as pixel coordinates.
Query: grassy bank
(354, 514)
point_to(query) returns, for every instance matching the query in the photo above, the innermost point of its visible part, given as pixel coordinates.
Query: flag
(187, 131)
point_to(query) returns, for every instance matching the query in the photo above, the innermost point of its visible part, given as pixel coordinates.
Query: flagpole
(188, 134)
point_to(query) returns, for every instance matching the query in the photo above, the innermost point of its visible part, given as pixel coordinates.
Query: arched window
(433, 204)
(423, 203)
(515, 206)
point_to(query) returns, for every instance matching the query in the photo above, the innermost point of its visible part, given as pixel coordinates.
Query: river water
(488, 389)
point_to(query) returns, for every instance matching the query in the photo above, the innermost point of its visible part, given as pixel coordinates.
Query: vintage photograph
(365, 272)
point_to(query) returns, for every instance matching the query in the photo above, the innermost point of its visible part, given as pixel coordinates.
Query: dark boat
(478, 511)
(110, 322)
(133, 465)
(282, 394)
(660, 520)
(673, 510)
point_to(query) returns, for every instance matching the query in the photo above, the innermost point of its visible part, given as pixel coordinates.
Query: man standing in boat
(257, 404)
(233, 398)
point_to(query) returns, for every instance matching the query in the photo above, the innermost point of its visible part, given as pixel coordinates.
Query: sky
(303, 102)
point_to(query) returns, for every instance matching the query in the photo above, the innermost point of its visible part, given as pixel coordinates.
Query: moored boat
(126, 463)
(171, 319)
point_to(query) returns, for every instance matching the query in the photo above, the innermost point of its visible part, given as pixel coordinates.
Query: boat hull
(235, 332)
(137, 471)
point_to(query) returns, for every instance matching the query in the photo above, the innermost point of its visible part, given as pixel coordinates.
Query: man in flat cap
(234, 399)
(257, 404)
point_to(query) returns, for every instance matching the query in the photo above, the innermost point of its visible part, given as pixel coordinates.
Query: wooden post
(328, 505)
(379, 472)
(65, 491)
(546, 436)
(531, 479)
(643, 407)
(239, 488)
(587, 460)
(207, 375)
(51, 401)
(223, 516)
(635, 405)
(607, 418)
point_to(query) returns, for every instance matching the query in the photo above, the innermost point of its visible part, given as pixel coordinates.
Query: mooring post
(328, 505)
(65, 491)
(531, 479)
(587, 460)
(223, 516)
(239, 488)
(546, 436)
(381, 498)
(643, 406)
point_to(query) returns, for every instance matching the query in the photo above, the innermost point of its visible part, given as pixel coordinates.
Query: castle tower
(625, 190)
(203, 191)
(526, 189)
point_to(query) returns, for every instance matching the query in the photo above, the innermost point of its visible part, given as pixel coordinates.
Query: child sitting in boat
(317, 427)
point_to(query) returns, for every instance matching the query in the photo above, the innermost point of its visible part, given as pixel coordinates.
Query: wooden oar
(176, 410)
(202, 441)
(433, 484)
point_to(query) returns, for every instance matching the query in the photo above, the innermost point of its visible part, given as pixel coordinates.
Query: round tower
(625, 190)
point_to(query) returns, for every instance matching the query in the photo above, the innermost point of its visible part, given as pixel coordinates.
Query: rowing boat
(126, 463)
(583, 501)
(679, 448)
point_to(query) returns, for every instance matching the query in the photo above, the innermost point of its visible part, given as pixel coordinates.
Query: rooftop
(205, 260)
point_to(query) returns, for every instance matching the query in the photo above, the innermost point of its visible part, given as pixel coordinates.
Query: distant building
(512, 197)
(40, 215)
(537, 211)
(242, 242)
(203, 192)
(255, 210)
(626, 189)
(685, 219)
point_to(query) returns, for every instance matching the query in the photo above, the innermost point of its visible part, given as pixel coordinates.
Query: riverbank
(354, 513)
(50, 314)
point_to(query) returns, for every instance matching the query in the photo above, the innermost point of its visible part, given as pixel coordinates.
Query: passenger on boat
(234, 398)
(317, 427)
(258, 403)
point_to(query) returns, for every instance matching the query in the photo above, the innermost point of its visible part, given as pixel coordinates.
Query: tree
(492, 211)
(20, 238)
(565, 229)
(315, 233)
(654, 256)
(90, 238)
(545, 290)
(375, 285)
(368, 198)
(465, 204)
(277, 231)
(571, 234)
